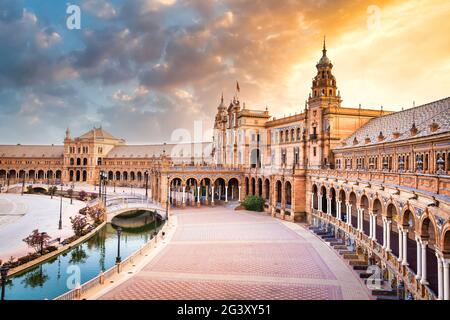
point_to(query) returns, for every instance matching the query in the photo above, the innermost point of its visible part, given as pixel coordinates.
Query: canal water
(57, 276)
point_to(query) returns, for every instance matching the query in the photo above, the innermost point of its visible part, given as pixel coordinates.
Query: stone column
(423, 279)
(329, 206)
(319, 202)
(226, 193)
(419, 259)
(388, 235)
(370, 225)
(405, 248)
(374, 226)
(338, 209)
(440, 277)
(349, 214)
(400, 245)
(384, 232)
(445, 263)
(312, 201)
(212, 195)
(361, 219)
(239, 194)
(359, 216)
(198, 196)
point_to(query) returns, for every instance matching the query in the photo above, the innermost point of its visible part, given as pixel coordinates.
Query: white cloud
(100, 8)
(45, 39)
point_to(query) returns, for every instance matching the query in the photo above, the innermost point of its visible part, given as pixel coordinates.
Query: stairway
(359, 265)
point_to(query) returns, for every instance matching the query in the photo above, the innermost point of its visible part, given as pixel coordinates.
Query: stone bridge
(124, 203)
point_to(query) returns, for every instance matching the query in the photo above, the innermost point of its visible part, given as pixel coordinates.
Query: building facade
(379, 178)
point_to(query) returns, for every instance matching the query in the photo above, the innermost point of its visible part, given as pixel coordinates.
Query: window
(314, 151)
(283, 156)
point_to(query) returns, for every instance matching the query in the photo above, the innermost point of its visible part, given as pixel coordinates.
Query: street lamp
(146, 184)
(3, 273)
(119, 232)
(168, 198)
(104, 189)
(23, 182)
(60, 209)
(102, 179)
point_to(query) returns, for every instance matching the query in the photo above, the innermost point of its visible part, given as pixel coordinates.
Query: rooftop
(428, 119)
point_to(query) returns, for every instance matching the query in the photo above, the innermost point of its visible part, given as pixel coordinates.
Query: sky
(144, 68)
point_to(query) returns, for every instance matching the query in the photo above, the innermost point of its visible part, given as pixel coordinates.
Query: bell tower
(324, 96)
(324, 89)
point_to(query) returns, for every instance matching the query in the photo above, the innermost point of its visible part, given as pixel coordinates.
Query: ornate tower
(220, 123)
(324, 96)
(324, 88)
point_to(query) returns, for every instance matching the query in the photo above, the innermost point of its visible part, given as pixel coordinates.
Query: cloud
(47, 38)
(100, 8)
(155, 66)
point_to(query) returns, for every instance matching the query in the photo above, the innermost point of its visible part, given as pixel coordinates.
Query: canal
(56, 276)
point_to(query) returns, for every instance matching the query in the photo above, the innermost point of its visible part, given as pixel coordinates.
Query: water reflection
(35, 278)
(49, 280)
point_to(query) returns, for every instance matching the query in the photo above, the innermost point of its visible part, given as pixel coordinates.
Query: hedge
(253, 203)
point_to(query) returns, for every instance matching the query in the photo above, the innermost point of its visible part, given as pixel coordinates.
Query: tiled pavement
(219, 253)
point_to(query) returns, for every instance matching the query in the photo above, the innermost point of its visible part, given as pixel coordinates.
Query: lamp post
(119, 232)
(3, 273)
(23, 182)
(102, 186)
(104, 189)
(168, 198)
(146, 184)
(100, 178)
(60, 209)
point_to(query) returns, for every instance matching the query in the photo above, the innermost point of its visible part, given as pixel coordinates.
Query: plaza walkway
(20, 215)
(219, 253)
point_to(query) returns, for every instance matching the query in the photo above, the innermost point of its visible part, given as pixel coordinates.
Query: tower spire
(324, 50)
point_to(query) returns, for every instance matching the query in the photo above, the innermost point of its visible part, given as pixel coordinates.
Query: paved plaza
(220, 253)
(20, 215)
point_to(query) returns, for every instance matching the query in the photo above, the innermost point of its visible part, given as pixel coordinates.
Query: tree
(30, 189)
(52, 190)
(70, 193)
(37, 240)
(253, 203)
(79, 223)
(82, 195)
(97, 213)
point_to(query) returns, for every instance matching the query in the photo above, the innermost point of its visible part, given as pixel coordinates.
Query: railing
(431, 183)
(81, 290)
(405, 273)
(206, 168)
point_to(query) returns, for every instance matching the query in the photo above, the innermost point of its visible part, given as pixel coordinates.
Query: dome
(324, 60)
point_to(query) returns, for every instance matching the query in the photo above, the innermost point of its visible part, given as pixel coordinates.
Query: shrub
(96, 213)
(79, 224)
(253, 203)
(30, 189)
(82, 195)
(52, 190)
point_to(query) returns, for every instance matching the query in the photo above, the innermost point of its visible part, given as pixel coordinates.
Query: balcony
(313, 136)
